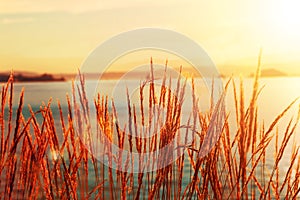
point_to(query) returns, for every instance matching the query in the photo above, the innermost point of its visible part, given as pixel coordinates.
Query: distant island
(33, 78)
(24, 76)
(271, 73)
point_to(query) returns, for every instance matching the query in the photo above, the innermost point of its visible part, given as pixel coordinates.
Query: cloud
(72, 6)
(30, 6)
(16, 20)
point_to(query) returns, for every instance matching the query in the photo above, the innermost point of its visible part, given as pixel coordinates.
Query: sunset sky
(56, 36)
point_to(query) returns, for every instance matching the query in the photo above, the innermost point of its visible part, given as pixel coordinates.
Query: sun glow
(284, 17)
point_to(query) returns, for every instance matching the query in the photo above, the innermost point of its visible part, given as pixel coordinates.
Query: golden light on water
(54, 154)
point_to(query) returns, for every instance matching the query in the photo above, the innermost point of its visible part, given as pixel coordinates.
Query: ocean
(276, 95)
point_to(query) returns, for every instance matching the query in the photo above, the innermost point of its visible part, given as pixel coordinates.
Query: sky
(57, 36)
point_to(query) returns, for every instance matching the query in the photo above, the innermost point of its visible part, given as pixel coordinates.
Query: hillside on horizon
(27, 75)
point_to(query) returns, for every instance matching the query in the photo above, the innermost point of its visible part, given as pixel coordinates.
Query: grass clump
(234, 168)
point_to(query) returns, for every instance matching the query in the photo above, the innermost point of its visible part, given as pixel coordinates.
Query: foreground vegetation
(235, 168)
